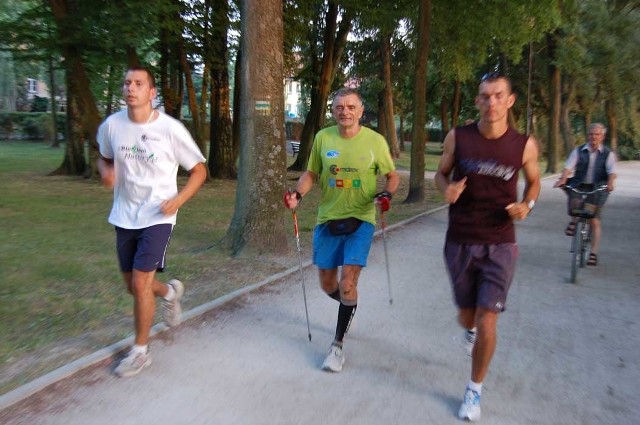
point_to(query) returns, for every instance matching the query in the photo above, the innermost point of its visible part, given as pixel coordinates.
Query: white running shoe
(334, 360)
(470, 408)
(172, 310)
(469, 340)
(133, 364)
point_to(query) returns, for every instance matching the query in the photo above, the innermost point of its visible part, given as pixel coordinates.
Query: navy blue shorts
(481, 275)
(331, 251)
(143, 249)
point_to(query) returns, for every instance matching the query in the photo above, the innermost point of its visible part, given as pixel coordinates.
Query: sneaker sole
(177, 286)
(131, 373)
(469, 418)
(328, 368)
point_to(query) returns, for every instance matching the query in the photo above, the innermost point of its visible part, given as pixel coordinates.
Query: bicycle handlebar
(600, 188)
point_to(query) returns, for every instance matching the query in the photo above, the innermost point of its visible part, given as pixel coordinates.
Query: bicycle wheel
(576, 249)
(584, 246)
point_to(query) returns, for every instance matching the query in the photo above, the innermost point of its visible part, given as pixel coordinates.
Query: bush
(32, 128)
(40, 104)
(29, 125)
(6, 125)
(628, 153)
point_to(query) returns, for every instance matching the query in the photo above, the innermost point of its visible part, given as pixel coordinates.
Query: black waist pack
(344, 226)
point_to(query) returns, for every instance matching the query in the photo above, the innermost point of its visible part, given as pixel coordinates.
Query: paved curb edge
(16, 395)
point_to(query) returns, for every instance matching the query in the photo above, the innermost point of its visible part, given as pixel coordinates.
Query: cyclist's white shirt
(572, 161)
(146, 159)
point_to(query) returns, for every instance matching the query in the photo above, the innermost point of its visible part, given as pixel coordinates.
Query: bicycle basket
(582, 205)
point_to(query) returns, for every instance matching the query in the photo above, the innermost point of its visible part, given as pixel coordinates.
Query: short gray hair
(600, 126)
(347, 91)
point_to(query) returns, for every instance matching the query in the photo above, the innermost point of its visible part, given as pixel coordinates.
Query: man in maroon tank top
(478, 176)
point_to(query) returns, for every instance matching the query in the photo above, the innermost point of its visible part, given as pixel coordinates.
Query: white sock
(171, 293)
(142, 349)
(474, 386)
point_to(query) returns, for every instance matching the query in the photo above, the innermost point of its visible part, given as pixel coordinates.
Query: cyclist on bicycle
(592, 165)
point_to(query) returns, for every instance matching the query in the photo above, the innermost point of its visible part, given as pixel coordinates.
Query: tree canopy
(572, 62)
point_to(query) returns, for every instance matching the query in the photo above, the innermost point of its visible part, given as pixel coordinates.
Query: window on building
(32, 85)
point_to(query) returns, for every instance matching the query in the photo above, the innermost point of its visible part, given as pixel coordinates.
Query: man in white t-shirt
(140, 151)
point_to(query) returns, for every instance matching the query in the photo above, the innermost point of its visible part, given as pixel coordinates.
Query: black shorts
(143, 249)
(481, 275)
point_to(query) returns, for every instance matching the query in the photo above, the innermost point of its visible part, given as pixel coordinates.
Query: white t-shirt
(146, 159)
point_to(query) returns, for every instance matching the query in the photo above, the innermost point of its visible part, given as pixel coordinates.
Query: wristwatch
(531, 204)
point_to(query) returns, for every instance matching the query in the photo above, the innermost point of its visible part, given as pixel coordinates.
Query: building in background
(292, 93)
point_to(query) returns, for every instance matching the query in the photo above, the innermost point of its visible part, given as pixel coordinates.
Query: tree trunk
(586, 107)
(237, 87)
(54, 107)
(444, 114)
(258, 221)
(206, 42)
(389, 116)
(191, 95)
(418, 137)
(565, 119)
(333, 46)
(222, 156)
(171, 77)
(83, 118)
(401, 133)
(610, 110)
(110, 90)
(455, 103)
(555, 92)
(74, 162)
(133, 60)
(382, 116)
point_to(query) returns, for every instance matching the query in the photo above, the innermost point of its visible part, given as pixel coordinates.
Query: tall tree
(171, 41)
(222, 152)
(418, 135)
(83, 118)
(323, 68)
(258, 223)
(555, 102)
(387, 96)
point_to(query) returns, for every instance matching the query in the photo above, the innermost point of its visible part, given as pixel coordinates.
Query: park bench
(295, 147)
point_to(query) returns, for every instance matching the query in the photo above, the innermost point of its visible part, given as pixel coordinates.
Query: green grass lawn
(62, 296)
(430, 161)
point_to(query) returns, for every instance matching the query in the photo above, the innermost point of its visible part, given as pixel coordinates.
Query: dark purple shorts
(481, 274)
(143, 249)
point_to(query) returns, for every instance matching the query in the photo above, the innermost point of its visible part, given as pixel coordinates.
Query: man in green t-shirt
(345, 159)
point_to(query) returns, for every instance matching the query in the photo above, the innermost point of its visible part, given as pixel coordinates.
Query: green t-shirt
(347, 170)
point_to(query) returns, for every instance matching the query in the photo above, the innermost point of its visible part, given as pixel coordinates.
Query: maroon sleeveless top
(491, 167)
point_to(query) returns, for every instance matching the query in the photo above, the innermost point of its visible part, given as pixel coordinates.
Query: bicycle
(584, 205)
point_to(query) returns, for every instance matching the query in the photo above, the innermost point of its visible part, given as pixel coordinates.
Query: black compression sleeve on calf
(335, 295)
(345, 316)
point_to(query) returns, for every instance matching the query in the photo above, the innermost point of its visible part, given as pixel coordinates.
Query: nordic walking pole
(304, 291)
(383, 224)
